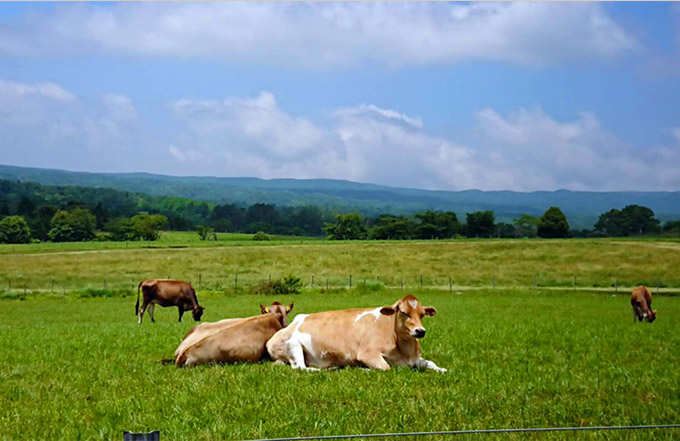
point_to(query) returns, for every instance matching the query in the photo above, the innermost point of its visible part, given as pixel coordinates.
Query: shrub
(261, 235)
(288, 285)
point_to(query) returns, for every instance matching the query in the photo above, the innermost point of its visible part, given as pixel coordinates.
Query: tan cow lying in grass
(232, 340)
(641, 301)
(376, 338)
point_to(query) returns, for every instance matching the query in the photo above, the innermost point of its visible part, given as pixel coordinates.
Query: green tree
(437, 224)
(553, 224)
(480, 224)
(145, 226)
(346, 227)
(506, 231)
(387, 226)
(527, 225)
(120, 229)
(73, 226)
(14, 229)
(633, 219)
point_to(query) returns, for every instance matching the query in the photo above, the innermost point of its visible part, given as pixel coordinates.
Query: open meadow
(79, 368)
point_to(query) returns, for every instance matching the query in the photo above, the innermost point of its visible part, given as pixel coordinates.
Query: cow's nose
(419, 333)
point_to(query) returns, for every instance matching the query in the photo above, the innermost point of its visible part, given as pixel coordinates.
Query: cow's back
(199, 332)
(168, 292)
(641, 297)
(335, 338)
(240, 341)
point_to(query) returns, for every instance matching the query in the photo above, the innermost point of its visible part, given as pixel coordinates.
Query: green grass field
(469, 263)
(81, 368)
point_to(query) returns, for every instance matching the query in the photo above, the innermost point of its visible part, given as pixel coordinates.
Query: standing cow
(376, 338)
(641, 301)
(233, 341)
(168, 293)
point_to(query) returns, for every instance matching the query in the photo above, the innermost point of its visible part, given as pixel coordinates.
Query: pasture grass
(82, 369)
(596, 263)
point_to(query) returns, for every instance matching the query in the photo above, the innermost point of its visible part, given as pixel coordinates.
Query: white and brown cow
(168, 293)
(641, 301)
(376, 338)
(232, 340)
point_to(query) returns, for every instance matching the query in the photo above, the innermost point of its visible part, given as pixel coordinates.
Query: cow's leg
(181, 312)
(151, 307)
(427, 364)
(142, 310)
(374, 360)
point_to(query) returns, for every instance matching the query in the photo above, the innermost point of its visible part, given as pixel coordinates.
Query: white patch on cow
(374, 312)
(298, 343)
(413, 303)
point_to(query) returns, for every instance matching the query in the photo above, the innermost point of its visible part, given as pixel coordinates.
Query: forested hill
(581, 208)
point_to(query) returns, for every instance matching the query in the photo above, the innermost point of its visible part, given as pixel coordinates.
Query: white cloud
(11, 89)
(321, 35)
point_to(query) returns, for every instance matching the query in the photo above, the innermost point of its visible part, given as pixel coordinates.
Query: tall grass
(466, 263)
(83, 369)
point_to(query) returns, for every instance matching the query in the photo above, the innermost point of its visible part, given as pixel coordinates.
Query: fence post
(326, 284)
(350, 281)
(199, 280)
(616, 285)
(421, 280)
(574, 282)
(269, 278)
(402, 283)
(533, 283)
(9, 284)
(493, 282)
(450, 285)
(364, 283)
(105, 285)
(236, 283)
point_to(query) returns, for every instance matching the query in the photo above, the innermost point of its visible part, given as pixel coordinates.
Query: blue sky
(451, 96)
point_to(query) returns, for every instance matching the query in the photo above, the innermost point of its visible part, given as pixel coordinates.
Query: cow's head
(651, 316)
(281, 310)
(409, 316)
(197, 313)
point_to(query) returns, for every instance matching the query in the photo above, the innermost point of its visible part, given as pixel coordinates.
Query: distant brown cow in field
(232, 340)
(168, 293)
(641, 301)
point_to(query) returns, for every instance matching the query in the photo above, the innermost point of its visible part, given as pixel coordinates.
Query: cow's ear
(430, 311)
(263, 309)
(388, 310)
(289, 308)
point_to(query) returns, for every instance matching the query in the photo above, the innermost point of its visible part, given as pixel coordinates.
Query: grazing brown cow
(641, 300)
(168, 293)
(233, 341)
(375, 338)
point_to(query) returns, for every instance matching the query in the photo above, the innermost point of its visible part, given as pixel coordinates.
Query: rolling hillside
(581, 208)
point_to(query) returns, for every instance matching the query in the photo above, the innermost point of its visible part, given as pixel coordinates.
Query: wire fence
(478, 431)
(254, 283)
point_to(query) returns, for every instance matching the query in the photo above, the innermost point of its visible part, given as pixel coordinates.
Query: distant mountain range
(581, 208)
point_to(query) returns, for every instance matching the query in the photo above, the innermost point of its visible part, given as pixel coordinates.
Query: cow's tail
(137, 304)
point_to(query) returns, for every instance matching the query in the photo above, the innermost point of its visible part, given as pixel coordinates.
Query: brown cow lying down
(233, 340)
(376, 338)
(641, 301)
(168, 293)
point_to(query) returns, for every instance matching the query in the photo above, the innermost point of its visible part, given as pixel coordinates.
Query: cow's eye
(405, 314)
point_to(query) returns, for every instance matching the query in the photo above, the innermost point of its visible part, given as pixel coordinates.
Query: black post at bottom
(151, 436)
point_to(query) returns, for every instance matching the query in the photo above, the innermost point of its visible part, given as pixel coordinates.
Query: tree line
(30, 211)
